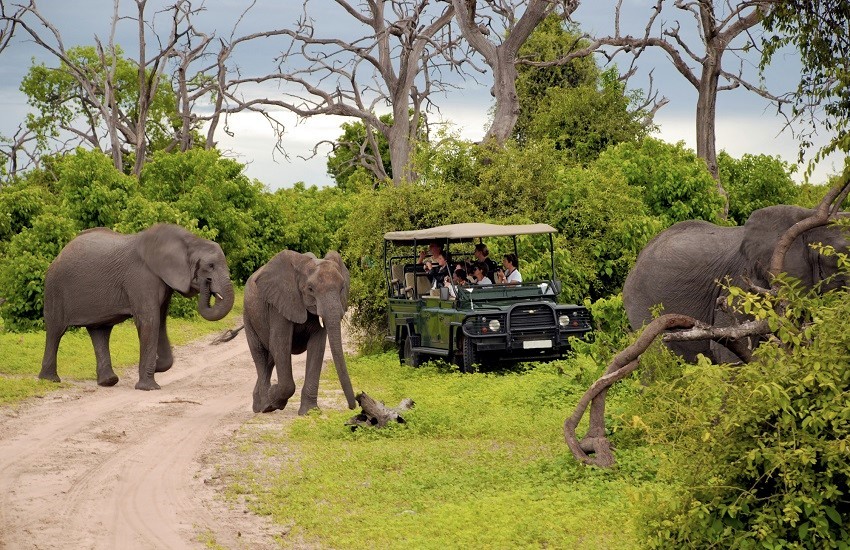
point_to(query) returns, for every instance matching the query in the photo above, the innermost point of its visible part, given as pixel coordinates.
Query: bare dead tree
(688, 329)
(723, 29)
(201, 69)
(495, 30)
(398, 61)
(15, 152)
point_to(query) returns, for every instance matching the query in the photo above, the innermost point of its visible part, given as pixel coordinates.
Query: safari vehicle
(482, 325)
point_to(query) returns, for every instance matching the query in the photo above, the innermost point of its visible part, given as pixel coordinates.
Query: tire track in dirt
(114, 467)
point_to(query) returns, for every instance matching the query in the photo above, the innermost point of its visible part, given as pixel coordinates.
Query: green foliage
(59, 99)
(762, 456)
(480, 463)
(753, 182)
(816, 30)
(351, 147)
(675, 182)
(24, 264)
(92, 192)
(576, 106)
(603, 224)
(20, 204)
(210, 189)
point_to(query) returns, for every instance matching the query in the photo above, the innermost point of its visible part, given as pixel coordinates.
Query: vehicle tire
(469, 356)
(411, 358)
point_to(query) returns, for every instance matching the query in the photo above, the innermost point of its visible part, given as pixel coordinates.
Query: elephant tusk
(321, 322)
(218, 296)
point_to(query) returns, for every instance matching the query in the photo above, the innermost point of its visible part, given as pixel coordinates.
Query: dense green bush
(753, 182)
(676, 183)
(24, 264)
(92, 192)
(761, 452)
(603, 224)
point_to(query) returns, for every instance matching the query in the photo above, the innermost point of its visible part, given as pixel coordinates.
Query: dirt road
(110, 468)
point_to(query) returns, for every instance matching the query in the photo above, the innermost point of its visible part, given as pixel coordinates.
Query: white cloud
(748, 134)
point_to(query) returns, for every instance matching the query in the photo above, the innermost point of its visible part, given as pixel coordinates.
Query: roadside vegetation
(708, 455)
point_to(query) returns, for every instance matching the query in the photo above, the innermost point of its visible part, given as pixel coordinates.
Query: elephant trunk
(223, 299)
(335, 340)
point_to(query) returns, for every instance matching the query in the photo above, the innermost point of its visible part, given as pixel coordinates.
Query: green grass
(480, 463)
(20, 359)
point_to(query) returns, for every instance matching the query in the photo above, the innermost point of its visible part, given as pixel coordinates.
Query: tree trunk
(706, 122)
(376, 414)
(507, 101)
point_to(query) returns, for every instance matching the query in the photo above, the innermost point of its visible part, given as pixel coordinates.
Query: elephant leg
(315, 358)
(264, 363)
(164, 355)
(148, 329)
(280, 346)
(51, 348)
(100, 340)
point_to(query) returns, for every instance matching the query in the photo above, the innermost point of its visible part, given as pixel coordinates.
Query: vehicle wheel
(411, 358)
(469, 356)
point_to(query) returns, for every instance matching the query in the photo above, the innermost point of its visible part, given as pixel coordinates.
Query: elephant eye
(211, 265)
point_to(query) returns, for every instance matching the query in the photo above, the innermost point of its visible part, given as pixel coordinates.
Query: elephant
(102, 278)
(293, 304)
(680, 269)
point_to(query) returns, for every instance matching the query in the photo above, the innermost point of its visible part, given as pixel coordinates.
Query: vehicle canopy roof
(467, 232)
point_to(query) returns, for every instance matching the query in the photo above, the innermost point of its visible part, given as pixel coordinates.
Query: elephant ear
(762, 231)
(164, 251)
(279, 284)
(334, 257)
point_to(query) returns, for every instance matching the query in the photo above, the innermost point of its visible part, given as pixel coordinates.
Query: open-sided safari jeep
(484, 324)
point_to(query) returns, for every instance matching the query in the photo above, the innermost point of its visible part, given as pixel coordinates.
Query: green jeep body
(484, 325)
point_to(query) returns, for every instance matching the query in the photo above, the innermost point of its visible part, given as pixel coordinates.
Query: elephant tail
(227, 336)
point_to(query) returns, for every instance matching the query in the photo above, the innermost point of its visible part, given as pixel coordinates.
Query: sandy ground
(110, 468)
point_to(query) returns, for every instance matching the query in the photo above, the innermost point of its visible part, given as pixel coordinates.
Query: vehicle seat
(397, 281)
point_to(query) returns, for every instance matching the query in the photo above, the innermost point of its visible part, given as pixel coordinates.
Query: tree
(352, 151)
(396, 62)
(818, 30)
(118, 98)
(497, 32)
(722, 29)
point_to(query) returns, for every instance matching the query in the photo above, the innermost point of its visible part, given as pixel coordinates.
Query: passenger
(459, 278)
(482, 254)
(480, 273)
(432, 251)
(439, 272)
(510, 275)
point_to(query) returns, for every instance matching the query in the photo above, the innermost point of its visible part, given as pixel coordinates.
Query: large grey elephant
(294, 304)
(102, 278)
(680, 269)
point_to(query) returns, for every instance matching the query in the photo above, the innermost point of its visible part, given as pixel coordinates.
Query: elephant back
(677, 270)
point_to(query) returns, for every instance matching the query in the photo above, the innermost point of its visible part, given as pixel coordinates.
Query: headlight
(495, 325)
(564, 321)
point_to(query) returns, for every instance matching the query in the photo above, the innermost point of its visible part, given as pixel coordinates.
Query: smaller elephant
(680, 269)
(293, 304)
(101, 278)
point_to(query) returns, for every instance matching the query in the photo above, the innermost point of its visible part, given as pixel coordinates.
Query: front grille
(532, 317)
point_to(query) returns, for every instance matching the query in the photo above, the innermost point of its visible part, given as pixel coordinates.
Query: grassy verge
(480, 463)
(20, 360)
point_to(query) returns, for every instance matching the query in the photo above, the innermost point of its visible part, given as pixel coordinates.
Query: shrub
(93, 193)
(676, 183)
(22, 269)
(767, 464)
(753, 182)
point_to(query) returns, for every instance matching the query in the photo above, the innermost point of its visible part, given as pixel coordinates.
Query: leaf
(833, 514)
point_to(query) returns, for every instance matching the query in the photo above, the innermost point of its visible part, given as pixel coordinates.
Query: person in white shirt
(479, 271)
(510, 275)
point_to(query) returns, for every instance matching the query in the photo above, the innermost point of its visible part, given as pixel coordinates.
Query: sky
(745, 123)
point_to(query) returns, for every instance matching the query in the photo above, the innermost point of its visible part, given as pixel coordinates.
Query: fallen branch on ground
(376, 414)
(227, 336)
